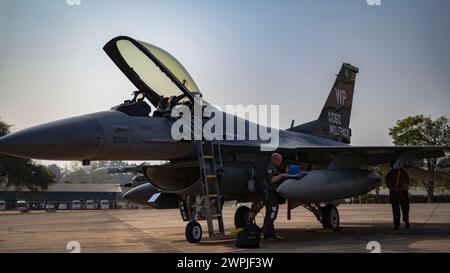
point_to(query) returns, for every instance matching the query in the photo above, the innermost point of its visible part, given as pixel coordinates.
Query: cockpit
(158, 76)
(135, 107)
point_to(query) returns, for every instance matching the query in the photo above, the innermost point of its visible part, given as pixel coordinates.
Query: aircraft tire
(193, 232)
(330, 217)
(241, 217)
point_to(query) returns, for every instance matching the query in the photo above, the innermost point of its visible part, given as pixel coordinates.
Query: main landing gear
(327, 215)
(330, 217)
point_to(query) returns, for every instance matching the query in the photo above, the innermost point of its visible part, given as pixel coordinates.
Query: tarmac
(150, 230)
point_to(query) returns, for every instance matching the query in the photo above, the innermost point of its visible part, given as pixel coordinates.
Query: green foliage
(422, 130)
(56, 171)
(4, 128)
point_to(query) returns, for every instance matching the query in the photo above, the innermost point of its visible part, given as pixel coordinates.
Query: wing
(350, 156)
(354, 156)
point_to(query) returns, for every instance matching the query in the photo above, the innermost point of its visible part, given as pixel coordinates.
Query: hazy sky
(52, 64)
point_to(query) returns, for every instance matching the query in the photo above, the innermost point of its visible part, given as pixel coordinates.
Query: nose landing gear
(330, 217)
(193, 232)
(327, 215)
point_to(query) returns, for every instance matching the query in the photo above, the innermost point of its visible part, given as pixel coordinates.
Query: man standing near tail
(398, 183)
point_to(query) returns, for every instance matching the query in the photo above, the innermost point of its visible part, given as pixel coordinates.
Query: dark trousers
(272, 205)
(400, 202)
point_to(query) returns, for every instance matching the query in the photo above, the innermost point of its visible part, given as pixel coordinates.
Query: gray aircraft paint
(113, 135)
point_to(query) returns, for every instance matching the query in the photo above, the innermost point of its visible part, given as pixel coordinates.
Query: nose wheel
(193, 232)
(330, 217)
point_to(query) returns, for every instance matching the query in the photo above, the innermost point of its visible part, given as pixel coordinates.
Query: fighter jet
(201, 174)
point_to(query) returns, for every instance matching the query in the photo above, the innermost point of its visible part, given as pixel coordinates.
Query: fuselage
(113, 135)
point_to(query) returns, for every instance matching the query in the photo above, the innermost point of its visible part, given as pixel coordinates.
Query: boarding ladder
(210, 163)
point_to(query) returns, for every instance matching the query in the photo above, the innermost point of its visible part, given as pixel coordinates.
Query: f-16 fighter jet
(202, 172)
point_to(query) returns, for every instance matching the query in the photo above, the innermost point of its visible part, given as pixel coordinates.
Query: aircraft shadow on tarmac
(351, 238)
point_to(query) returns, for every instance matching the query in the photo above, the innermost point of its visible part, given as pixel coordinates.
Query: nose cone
(77, 138)
(141, 194)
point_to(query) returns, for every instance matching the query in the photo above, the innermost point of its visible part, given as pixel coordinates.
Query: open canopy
(151, 69)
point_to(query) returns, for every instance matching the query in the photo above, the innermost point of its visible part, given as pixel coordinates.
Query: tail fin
(334, 120)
